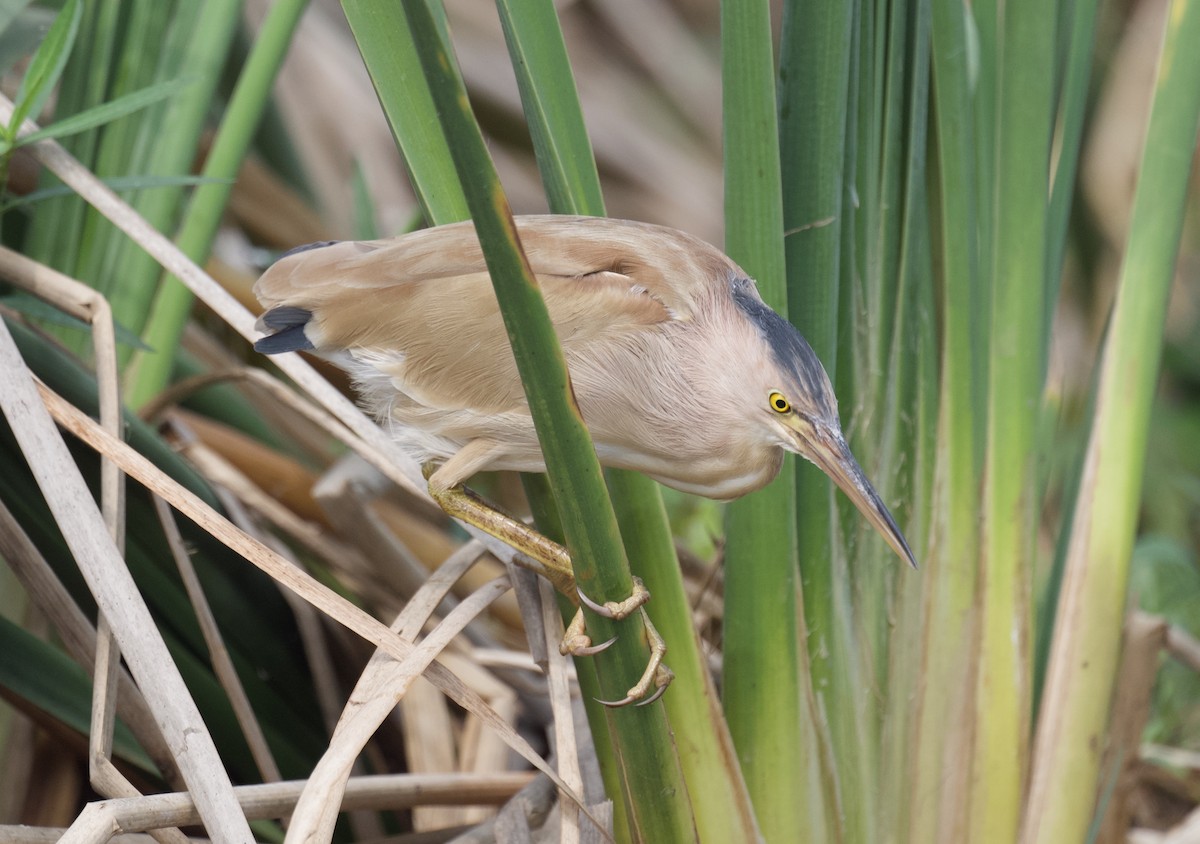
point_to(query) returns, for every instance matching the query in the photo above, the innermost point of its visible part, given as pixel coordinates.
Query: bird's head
(797, 406)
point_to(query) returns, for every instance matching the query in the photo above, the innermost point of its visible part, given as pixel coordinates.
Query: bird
(679, 369)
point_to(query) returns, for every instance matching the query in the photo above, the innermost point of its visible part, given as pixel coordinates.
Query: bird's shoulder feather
(582, 257)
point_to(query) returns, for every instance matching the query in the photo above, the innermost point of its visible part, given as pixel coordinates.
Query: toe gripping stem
(656, 675)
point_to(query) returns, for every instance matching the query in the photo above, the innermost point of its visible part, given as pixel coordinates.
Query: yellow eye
(778, 403)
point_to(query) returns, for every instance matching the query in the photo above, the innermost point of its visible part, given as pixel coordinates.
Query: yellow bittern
(679, 368)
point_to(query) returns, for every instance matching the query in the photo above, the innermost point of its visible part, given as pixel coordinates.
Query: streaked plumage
(675, 360)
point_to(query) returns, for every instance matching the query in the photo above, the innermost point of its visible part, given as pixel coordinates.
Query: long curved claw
(618, 610)
(656, 674)
(576, 642)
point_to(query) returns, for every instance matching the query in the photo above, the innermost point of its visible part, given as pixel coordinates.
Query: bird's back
(425, 302)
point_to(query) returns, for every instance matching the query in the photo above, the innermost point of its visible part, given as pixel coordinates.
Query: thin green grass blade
(854, 352)
(365, 227)
(46, 67)
(763, 683)
(654, 786)
(128, 185)
(106, 112)
(905, 648)
(149, 372)
(1017, 341)
(564, 154)
(1075, 707)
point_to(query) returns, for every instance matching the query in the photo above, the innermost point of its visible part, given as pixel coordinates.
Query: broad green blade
(1083, 657)
(551, 103)
(942, 704)
(1017, 339)
(384, 36)
(763, 678)
(815, 55)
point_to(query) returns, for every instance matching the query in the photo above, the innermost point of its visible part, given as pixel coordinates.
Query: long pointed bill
(829, 451)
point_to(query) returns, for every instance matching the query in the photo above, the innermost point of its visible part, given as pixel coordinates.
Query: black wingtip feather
(286, 316)
(289, 340)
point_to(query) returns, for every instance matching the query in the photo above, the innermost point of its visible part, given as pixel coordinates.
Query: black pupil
(780, 404)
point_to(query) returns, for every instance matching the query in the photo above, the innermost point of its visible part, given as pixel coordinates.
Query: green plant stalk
(1084, 654)
(844, 378)
(171, 151)
(386, 43)
(564, 154)
(949, 577)
(814, 74)
(653, 783)
(896, 398)
(149, 372)
(1010, 496)
(763, 682)
(364, 226)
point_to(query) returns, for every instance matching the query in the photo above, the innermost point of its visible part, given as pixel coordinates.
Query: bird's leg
(552, 561)
(538, 554)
